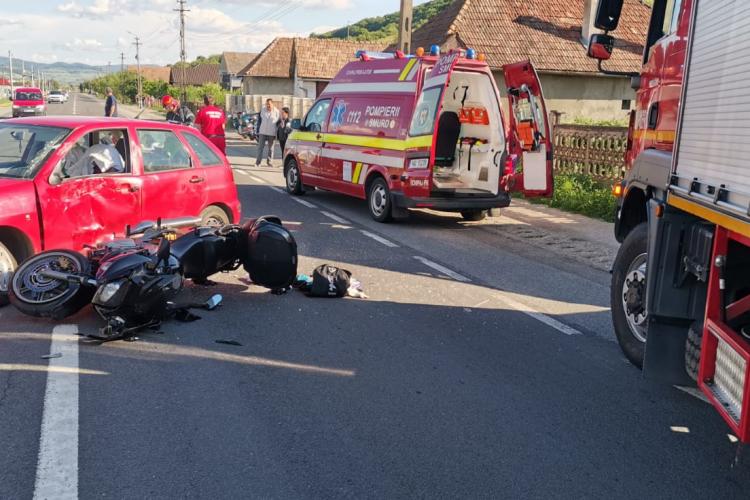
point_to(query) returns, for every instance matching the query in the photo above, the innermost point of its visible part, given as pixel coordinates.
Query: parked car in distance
(56, 96)
(28, 101)
(67, 182)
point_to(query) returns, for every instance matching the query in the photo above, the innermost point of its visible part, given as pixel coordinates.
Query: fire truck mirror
(608, 14)
(600, 47)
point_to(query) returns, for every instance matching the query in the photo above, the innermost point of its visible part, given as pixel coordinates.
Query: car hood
(17, 197)
(27, 103)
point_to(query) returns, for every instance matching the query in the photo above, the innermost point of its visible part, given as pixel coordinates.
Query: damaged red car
(68, 182)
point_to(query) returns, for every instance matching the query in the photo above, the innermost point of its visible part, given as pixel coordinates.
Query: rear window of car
(162, 150)
(423, 121)
(204, 153)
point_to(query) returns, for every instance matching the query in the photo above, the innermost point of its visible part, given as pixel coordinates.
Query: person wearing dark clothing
(110, 105)
(284, 128)
(177, 113)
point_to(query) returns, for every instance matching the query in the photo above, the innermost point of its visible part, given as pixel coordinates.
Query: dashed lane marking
(379, 239)
(530, 311)
(442, 269)
(57, 465)
(277, 189)
(304, 202)
(335, 217)
(242, 172)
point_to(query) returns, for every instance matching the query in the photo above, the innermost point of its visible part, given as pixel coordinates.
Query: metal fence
(298, 106)
(598, 152)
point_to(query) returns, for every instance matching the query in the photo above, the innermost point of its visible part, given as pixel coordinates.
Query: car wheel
(628, 295)
(42, 297)
(379, 200)
(293, 178)
(214, 216)
(8, 264)
(474, 215)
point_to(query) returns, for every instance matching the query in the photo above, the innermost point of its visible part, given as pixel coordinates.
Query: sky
(97, 31)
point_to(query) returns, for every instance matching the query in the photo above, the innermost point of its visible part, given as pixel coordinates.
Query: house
(197, 75)
(554, 35)
(301, 67)
(153, 73)
(232, 63)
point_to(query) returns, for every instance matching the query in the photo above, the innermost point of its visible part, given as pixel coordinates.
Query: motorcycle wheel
(42, 297)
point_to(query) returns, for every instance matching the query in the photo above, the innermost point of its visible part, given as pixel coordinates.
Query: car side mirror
(56, 178)
(608, 14)
(601, 46)
(296, 124)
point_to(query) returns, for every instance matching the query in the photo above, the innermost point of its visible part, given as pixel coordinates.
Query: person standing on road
(110, 105)
(269, 118)
(211, 121)
(175, 112)
(284, 129)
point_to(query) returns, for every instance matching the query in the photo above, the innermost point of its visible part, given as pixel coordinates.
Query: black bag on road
(329, 281)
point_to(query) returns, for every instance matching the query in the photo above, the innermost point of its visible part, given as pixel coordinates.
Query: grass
(582, 195)
(4, 103)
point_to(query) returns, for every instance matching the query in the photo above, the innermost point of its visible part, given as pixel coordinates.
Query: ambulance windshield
(423, 121)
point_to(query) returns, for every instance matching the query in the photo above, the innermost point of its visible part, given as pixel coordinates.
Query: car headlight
(16, 106)
(40, 106)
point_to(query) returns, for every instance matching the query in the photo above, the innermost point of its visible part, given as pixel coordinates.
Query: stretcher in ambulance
(424, 131)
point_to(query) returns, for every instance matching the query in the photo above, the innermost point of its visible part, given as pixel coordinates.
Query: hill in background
(385, 27)
(66, 73)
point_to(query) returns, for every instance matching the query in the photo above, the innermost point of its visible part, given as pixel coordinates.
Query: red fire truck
(681, 280)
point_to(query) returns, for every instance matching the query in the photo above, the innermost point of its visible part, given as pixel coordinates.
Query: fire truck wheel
(693, 349)
(7, 265)
(628, 294)
(293, 179)
(474, 215)
(379, 200)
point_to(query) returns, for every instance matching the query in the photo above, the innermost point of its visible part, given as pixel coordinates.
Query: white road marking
(335, 217)
(379, 239)
(75, 102)
(529, 311)
(442, 269)
(57, 466)
(277, 189)
(240, 171)
(304, 202)
(257, 179)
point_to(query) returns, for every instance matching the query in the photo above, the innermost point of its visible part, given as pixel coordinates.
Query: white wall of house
(305, 88)
(585, 96)
(264, 85)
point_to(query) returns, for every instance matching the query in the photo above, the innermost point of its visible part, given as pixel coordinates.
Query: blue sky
(97, 31)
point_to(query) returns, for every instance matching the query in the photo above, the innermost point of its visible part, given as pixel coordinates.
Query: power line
(183, 52)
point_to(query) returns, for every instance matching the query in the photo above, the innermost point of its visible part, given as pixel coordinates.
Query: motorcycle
(246, 125)
(133, 282)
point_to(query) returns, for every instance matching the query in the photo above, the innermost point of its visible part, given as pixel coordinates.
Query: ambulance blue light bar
(435, 50)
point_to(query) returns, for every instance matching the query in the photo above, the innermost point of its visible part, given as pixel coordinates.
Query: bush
(581, 194)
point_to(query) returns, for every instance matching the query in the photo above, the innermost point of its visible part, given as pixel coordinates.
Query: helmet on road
(167, 100)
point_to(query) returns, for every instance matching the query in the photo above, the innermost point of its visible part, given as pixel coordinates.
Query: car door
(311, 140)
(88, 208)
(529, 133)
(174, 185)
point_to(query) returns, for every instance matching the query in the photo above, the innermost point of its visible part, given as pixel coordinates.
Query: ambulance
(424, 131)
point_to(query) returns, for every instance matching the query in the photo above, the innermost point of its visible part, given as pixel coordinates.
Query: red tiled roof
(234, 62)
(196, 75)
(315, 58)
(155, 73)
(548, 32)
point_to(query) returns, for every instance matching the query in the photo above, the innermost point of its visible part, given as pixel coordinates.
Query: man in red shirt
(211, 122)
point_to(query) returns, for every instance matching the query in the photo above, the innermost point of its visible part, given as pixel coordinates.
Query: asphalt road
(482, 366)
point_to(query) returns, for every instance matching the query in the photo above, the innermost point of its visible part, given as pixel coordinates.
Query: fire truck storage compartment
(711, 161)
(469, 137)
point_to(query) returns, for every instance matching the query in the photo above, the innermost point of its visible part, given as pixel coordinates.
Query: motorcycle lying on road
(246, 125)
(133, 282)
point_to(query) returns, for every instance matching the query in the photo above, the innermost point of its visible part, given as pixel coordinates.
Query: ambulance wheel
(379, 200)
(293, 179)
(474, 215)
(628, 295)
(693, 346)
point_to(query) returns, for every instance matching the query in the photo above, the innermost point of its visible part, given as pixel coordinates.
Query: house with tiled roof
(197, 75)
(230, 67)
(154, 73)
(301, 67)
(554, 35)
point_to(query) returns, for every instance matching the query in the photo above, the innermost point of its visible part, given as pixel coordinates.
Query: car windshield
(28, 96)
(25, 148)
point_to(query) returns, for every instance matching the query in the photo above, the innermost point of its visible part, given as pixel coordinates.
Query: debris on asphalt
(228, 342)
(329, 281)
(52, 356)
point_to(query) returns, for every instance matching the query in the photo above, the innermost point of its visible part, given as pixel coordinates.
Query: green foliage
(212, 59)
(581, 194)
(386, 27)
(125, 87)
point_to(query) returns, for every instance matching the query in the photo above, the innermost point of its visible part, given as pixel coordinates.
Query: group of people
(273, 124)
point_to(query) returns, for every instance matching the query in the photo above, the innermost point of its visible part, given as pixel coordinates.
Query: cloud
(84, 43)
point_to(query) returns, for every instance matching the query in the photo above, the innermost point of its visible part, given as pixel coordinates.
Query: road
(482, 365)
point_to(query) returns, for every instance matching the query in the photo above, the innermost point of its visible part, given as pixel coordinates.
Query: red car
(67, 182)
(28, 101)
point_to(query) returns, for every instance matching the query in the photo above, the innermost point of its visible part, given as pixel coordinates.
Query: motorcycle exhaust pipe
(70, 278)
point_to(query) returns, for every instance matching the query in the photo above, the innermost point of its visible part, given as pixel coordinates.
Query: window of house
(162, 150)
(626, 104)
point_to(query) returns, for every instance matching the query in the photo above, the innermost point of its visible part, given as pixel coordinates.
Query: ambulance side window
(316, 117)
(423, 121)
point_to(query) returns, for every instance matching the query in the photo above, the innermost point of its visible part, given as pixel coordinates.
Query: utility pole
(122, 62)
(109, 67)
(404, 32)
(23, 73)
(10, 62)
(137, 44)
(32, 76)
(183, 52)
